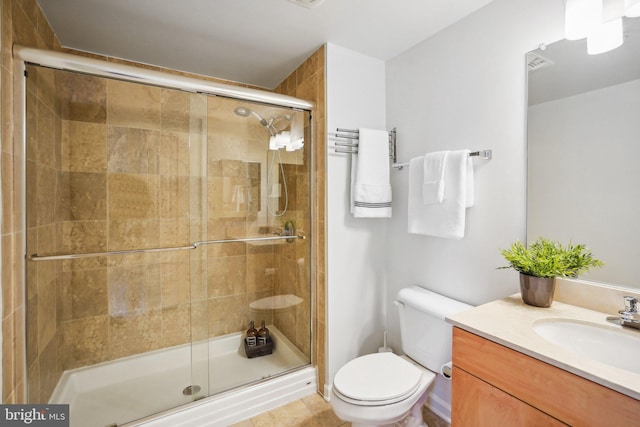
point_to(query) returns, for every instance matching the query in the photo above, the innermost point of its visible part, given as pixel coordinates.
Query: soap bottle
(252, 334)
(263, 334)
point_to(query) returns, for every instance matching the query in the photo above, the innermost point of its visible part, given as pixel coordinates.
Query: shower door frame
(100, 68)
(97, 67)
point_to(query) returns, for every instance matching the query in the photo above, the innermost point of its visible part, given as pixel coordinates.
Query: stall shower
(160, 222)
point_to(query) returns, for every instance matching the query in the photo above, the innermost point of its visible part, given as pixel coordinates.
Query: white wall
(465, 88)
(356, 265)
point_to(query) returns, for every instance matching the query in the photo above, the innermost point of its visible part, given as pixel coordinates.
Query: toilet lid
(377, 377)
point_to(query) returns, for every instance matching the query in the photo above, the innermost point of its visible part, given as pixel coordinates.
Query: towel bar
(352, 147)
(346, 144)
(485, 154)
(354, 135)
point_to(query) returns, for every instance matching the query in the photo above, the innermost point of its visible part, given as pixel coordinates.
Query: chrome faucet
(630, 316)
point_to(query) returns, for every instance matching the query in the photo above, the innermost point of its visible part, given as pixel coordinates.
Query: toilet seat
(377, 379)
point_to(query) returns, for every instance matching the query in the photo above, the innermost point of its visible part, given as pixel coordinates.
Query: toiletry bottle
(252, 334)
(263, 334)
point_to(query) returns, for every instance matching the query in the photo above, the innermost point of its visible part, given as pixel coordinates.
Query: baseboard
(327, 392)
(439, 407)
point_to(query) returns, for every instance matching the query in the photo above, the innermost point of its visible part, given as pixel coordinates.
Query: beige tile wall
(23, 23)
(308, 82)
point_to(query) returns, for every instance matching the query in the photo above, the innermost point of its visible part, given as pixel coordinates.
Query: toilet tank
(426, 336)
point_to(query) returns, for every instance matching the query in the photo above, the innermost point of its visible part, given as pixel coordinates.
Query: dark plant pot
(537, 291)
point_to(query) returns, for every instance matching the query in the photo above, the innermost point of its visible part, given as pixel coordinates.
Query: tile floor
(314, 411)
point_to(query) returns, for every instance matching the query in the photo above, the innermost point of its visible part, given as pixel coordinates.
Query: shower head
(246, 112)
(242, 111)
(272, 125)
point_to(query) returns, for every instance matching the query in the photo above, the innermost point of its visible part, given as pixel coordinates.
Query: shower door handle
(56, 257)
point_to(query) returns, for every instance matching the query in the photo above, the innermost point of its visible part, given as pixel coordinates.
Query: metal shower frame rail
(195, 245)
(113, 70)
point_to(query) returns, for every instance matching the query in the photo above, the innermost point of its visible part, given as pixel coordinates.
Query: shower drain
(190, 390)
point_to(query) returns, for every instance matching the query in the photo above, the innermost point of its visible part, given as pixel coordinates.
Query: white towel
(446, 219)
(371, 186)
(433, 180)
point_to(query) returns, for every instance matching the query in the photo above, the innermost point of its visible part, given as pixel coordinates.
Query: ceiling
(258, 42)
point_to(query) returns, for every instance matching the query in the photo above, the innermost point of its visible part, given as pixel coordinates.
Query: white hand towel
(446, 219)
(371, 188)
(433, 184)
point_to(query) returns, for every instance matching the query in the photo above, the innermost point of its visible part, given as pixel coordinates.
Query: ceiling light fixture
(580, 17)
(309, 4)
(605, 37)
(600, 21)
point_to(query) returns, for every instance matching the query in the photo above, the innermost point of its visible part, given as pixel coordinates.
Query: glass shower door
(159, 224)
(109, 176)
(258, 172)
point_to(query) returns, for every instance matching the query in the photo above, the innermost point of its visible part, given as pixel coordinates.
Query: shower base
(146, 385)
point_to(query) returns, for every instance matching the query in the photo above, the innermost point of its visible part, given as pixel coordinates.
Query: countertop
(509, 322)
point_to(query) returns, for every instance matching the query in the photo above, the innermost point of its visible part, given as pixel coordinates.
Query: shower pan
(160, 222)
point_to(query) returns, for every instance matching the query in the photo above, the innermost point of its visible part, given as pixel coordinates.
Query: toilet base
(413, 419)
(410, 421)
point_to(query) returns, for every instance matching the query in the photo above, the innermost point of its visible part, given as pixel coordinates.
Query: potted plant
(543, 261)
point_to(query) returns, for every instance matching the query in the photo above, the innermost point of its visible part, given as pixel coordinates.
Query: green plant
(545, 258)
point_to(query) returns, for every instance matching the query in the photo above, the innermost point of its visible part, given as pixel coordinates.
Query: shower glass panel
(117, 170)
(255, 189)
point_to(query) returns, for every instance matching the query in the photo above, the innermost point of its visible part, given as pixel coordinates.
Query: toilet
(384, 389)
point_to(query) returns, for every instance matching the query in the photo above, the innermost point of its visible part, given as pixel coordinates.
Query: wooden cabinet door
(564, 396)
(476, 403)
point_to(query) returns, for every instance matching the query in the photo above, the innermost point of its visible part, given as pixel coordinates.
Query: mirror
(584, 152)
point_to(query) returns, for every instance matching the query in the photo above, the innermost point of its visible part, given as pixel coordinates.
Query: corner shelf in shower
(276, 302)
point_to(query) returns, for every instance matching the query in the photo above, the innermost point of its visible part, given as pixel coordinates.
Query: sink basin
(610, 345)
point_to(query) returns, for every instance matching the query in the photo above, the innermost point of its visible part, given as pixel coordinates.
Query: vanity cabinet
(485, 405)
(496, 386)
